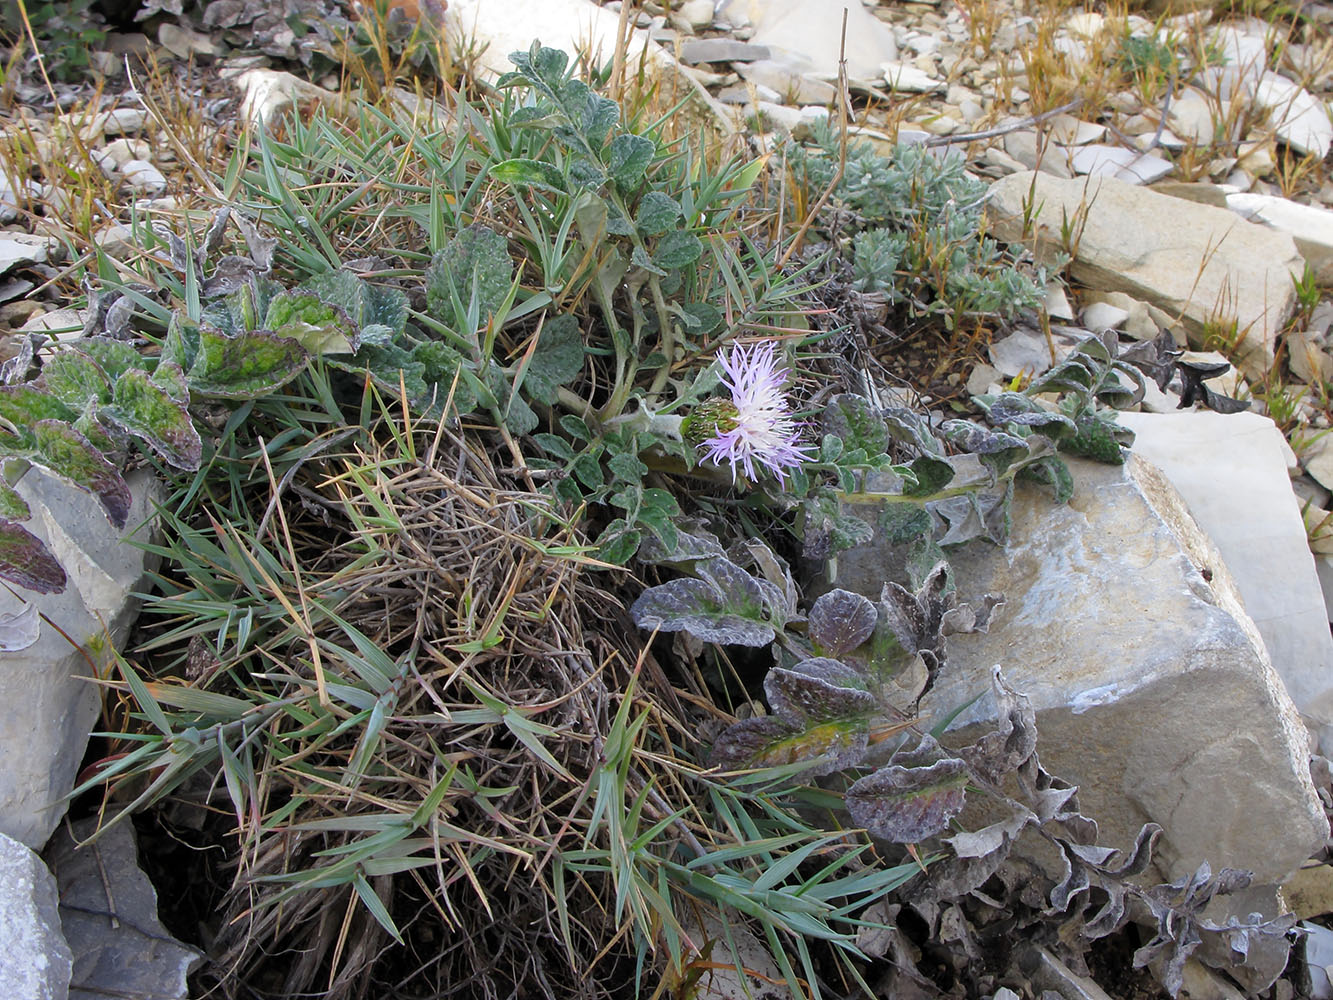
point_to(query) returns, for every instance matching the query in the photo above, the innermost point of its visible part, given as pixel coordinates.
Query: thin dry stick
(622, 44)
(999, 130)
(842, 151)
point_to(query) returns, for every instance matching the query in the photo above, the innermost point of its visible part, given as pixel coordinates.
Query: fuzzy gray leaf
(727, 606)
(818, 689)
(907, 805)
(840, 621)
(1014, 740)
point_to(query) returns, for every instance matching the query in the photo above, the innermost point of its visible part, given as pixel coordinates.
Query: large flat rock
(1153, 691)
(50, 703)
(1198, 262)
(1232, 473)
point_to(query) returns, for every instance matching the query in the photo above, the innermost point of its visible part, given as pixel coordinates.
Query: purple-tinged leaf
(840, 621)
(145, 409)
(926, 752)
(25, 561)
(75, 379)
(820, 690)
(1014, 739)
(907, 805)
(728, 607)
(250, 364)
(953, 877)
(770, 741)
(968, 618)
(64, 452)
(12, 506)
(114, 357)
(320, 327)
(993, 838)
(22, 405)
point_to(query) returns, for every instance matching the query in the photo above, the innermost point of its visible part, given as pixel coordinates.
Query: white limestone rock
(1153, 691)
(1311, 228)
(1191, 260)
(144, 178)
(35, 961)
(268, 94)
(21, 248)
(1231, 470)
(812, 29)
(1300, 119)
(50, 704)
(1118, 162)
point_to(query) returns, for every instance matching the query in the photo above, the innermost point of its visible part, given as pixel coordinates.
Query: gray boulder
(35, 961)
(1152, 688)
(1246, 507)
(50, 703)
(108, 908)
(1198, 262)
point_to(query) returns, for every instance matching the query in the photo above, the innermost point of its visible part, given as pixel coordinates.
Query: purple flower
(755, 426)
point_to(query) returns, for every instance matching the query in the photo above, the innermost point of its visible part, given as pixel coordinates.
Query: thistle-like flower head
(756, 425)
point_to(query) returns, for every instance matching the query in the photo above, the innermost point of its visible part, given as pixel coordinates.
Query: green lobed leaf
(906, 805)
(393, 368)
(701, 318)
(539, 66)
(557, 361)
(12, 506)
(114, 357)
(169, 377)
(639, 257)
(383, 305)
(475, 255)
(25, 561)
(911, 428)
(1017, 408)
(995, 449)
(828, 529)
(1097, 439)
(318, 326)
(64, 452)
(657, 213)
(243, 367)
(902, 522)
(618, 542)
(75, 379)
(930, 474)
(677, 249)
(727, 606)
(442, 371)
(628, 158)
(20, 405)
(242, 309)
(151, 413)
(181, 344)
(522, 172)
(1053, 471)
(592, 115)
(852, 419)
(840, 620)
(627, 468)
